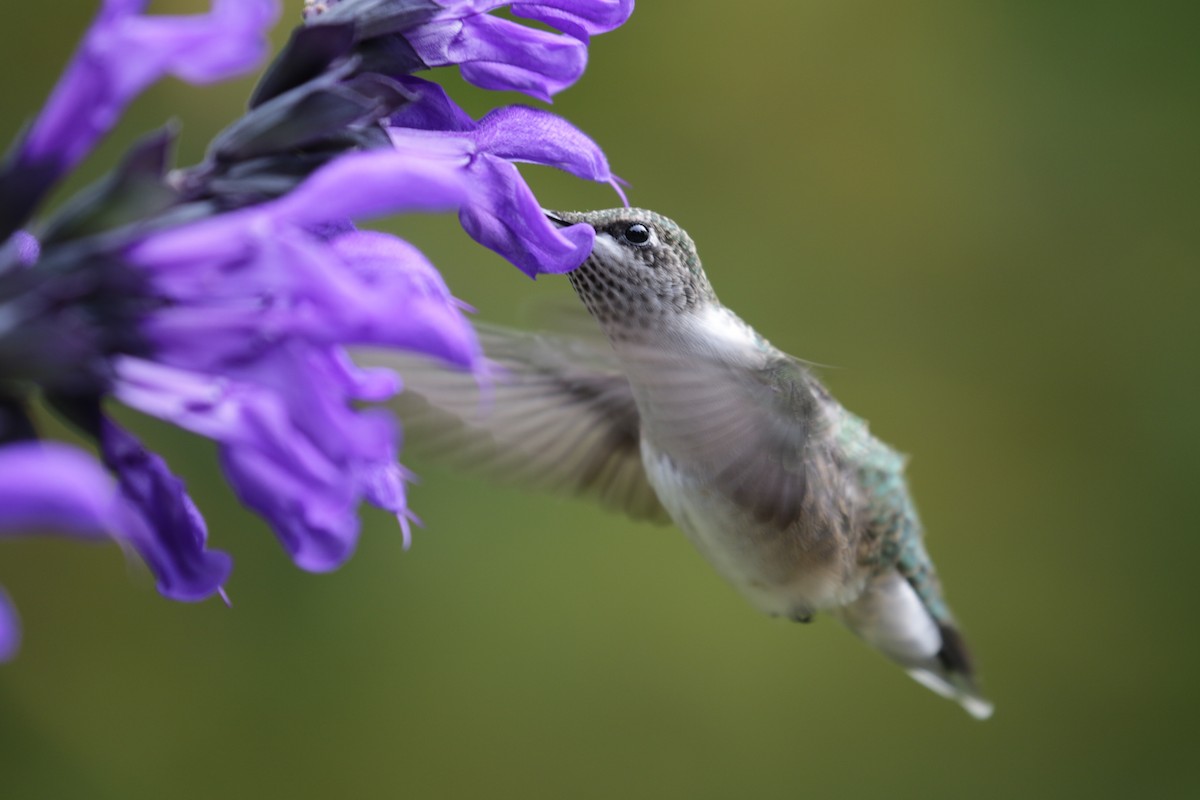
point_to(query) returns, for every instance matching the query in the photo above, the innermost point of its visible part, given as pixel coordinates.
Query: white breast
(763, 568)
(725, 331)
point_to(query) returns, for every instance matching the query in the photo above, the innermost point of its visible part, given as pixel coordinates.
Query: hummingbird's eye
(637, 233)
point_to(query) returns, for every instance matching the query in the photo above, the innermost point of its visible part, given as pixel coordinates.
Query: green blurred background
(983, 214)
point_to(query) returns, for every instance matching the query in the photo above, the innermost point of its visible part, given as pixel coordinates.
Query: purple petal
(28, 248)
(433, 110)
(47, 485)
(124, 52)
(10, 628)
(397, 278)
(314, 512)
(248, 352)
(162, 523)
(379, 257)
(359, 186)
(502, 55)
(520, 133)
(55, 486)
(425, 176)
(502, 213)
(579, 18)
(504, 216)
(52, 485)
(261, 283)
(516, 133)
(320, 386)
(293, 446)
(318, 528)
(236, 412)
(590, 16)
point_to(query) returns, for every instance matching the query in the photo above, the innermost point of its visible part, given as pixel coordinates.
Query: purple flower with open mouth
(221, 297)
(503, 214)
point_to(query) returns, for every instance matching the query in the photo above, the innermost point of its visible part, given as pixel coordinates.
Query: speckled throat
(638, 288)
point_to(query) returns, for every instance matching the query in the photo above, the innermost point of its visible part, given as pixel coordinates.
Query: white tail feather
(891, 618)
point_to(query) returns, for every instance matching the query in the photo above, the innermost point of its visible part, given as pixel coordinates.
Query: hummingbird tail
(890, 616)
(954, 687)
(951, 674)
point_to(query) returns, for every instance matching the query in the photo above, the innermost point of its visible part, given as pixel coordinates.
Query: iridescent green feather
(893, 535)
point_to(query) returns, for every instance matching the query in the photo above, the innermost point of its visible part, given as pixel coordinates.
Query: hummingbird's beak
(556, 218)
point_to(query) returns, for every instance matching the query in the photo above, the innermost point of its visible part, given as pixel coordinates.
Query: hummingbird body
(691, 415)
(792, 566)
(784, 572)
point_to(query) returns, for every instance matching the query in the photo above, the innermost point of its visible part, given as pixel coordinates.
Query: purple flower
(160, 521)
(46, 485)
(51, 486)
(122, 53)
(222, 298)
(54, 301)
(255, 310)
(502, 212)
(495, 53)
(243, 341)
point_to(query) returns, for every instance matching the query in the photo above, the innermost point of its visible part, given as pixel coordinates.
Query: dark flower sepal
(135, 191)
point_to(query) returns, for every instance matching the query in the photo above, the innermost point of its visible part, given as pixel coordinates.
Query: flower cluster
(221, 297)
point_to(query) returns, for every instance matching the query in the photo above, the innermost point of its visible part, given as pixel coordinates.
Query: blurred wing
(568, 318)
(557, 415)
(753, 431)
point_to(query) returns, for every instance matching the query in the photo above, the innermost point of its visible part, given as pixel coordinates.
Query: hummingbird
(678, 411)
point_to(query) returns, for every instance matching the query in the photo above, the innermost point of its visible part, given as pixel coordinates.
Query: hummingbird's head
(642, 268)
